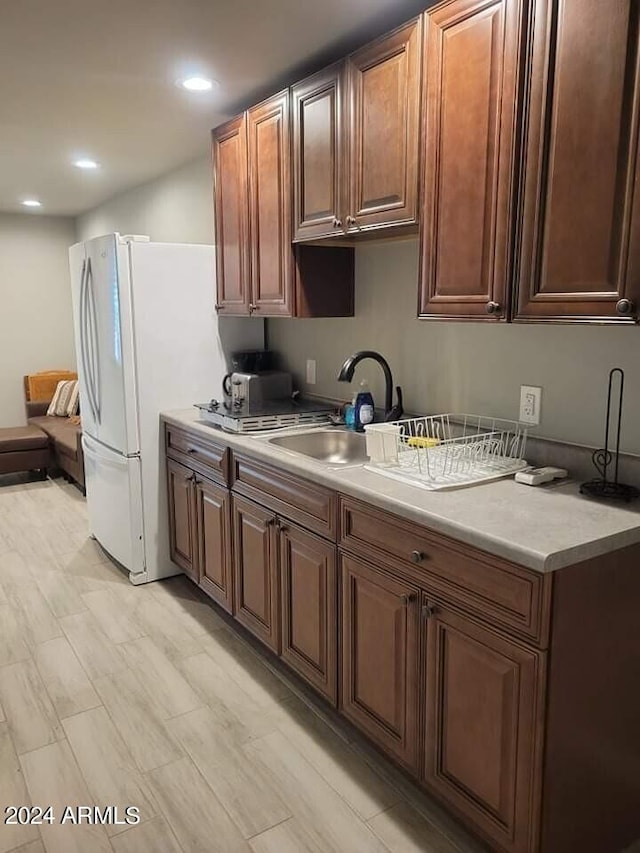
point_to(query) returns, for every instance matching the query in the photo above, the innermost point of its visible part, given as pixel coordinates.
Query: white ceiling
(96, 78)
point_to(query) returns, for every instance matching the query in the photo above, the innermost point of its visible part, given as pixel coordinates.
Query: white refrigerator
(147, 339)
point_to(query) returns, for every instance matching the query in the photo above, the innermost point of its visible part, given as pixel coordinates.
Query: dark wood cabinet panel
(496, 590)
(384, 121)
(213, 523)
(195, 451)
(471, 79)
(270, 207)
(318, 105)
(231, 216)
(380, 658)
(181, 518)
(580, 247)
(309, 616)
(311, 505)
(256, 571)
(483, 727)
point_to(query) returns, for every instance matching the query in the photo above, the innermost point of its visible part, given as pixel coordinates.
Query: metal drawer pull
(625, 307)
(417, 556)
(192, 450)
(429, 610)
(408, 599)
(493, 308)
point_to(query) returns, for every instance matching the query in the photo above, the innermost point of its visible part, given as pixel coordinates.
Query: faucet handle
(396, 412)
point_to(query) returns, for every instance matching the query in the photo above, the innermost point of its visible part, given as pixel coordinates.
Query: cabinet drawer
(500, 592)
(312, 506)
(198, 453)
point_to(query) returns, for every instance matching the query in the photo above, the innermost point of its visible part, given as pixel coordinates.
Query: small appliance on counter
(268, 414)
(252, 389)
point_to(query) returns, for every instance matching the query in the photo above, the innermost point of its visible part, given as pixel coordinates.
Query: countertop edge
(540, 562)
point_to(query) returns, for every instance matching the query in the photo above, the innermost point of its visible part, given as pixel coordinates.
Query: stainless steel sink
(331, 446)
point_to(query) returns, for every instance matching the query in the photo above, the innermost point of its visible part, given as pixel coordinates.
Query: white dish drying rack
(447, 451)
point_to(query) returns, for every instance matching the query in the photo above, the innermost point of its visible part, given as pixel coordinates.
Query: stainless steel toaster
(251, 389)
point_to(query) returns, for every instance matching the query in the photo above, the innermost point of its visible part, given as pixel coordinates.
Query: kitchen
(464, 366)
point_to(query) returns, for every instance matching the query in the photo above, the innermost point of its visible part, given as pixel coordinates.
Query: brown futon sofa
(65, 438)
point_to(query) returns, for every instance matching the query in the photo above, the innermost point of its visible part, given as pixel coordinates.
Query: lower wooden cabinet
(256, 591)
(182, 535)
(483, 698)
(213, 525)
(380, 658)
(309, 613)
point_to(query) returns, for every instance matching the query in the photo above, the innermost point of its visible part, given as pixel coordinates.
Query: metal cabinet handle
(493, 308)
(429, 610)
(192, 450)
(253, 306)
(271, 522)
(217, 306)
(337, 223)
(351, 220)
(417, 556)
(625, 307)
(283, 528)
(408, 598)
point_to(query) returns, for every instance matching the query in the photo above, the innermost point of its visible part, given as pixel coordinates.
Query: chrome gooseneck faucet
(391, 412)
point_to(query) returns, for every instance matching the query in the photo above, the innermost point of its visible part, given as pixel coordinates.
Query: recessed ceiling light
(197, 84)
(32, 202)
(85, 163)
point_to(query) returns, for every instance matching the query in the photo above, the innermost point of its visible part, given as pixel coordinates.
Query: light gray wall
(176, 208)
(36, 326)
(466, 367)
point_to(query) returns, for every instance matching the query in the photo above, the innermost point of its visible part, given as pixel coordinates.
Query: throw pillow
(61, 398)
(74, 400)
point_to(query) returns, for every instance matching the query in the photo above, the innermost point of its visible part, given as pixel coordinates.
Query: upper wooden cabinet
(471, 78)
(318, 154)
(356, 140)
(270, 206)
(580, 246)
(231, 216)
(384, 123)
(259, 272)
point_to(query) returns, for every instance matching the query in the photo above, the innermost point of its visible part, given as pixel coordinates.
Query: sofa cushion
(63, 433)
(30, 437)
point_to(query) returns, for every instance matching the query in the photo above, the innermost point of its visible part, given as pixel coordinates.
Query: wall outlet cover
(311, 371)
(530, 404)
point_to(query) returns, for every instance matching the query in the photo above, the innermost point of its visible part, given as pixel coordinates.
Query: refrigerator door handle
(91, 449)
(83, 334)
(94, 360)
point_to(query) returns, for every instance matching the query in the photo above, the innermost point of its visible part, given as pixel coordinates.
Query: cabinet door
(182, 546)
(380, 658)
(483, 714)
(318, 155)
(384, 125)
(213, 524)
(270, 207)
(309, 616)
(471, 80)
(231, 216)
(581, 226)
(256, 571)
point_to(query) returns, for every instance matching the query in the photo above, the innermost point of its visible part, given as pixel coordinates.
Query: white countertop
(543, 528)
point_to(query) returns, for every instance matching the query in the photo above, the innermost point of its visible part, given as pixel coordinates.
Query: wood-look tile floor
(114, 695)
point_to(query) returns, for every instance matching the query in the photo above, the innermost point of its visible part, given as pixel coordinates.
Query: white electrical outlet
(311, 371)
(530, 404)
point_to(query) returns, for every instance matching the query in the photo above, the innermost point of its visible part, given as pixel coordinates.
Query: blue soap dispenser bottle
(363, 407)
